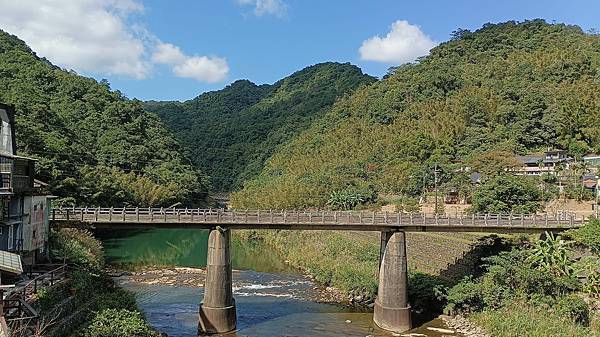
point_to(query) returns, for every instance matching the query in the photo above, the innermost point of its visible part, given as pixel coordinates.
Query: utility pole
(435, 180)
(597, 197)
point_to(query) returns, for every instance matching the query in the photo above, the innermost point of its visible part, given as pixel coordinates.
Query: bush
(465, 297)
(588, 267)
(588, 235)
(509, 277)
(119, 323)
(76, 246)
(578, 193)
(48, 297)
(99, 292)
(351, 197)
(551, 255)
(507, 194)
(574, 307)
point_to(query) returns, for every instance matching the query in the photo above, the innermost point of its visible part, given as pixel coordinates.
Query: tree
(507, 194)
(493, 163)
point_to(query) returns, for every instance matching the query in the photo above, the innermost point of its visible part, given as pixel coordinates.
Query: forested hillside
(93, 145)
(505, 88)
(230, 133)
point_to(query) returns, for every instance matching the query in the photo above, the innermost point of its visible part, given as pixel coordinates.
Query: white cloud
(202, 68)
(262, 7)
(167, 53)
(85, 35)
(404, 43)
(100, 37)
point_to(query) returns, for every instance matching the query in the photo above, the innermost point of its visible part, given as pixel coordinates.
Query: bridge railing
(221, 216)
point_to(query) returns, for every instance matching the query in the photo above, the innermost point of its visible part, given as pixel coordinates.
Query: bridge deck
(123, 218)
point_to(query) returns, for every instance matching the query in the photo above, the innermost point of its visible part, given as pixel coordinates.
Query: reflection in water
(184, 248)
(155, 247)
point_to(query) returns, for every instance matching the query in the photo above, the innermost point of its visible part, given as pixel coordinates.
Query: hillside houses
(548, 162)
(556, 161)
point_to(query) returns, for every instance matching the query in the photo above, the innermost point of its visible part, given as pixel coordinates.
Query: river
(272, 298)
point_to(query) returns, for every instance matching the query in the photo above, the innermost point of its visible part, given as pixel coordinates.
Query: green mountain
(230, 133)
(510, 87)
(94, 146)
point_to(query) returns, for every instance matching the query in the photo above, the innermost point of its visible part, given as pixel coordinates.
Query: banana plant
(551, 255)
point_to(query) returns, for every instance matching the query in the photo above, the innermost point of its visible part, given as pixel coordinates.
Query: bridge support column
(217, 310)
(392, 311)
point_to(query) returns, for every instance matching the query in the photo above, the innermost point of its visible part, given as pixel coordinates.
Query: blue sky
(175, 50)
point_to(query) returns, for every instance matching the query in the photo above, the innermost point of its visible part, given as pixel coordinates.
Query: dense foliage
(543, 276)
(509, 277)
(230, 133)
(118, 323)
(507, 194)
(588, 235)
(93, 145)
(506, 88)
(77, 247)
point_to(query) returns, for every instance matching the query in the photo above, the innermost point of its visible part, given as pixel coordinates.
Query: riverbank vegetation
(89, 303)
(548, 287)
(348, 262)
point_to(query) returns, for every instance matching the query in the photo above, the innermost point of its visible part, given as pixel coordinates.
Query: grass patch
(330, 258)
(521, 319)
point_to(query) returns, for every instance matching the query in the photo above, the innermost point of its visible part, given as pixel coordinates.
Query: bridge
(392, 311)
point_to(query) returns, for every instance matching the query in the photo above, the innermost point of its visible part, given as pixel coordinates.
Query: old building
(23, 206)
(592, 162)
(548, 162)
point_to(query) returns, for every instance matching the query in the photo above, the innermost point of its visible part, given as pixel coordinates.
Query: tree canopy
(93, 145)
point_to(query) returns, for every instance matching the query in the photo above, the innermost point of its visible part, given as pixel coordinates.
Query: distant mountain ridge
(230, 133)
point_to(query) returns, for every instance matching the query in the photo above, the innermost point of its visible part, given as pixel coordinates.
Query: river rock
(464, 326)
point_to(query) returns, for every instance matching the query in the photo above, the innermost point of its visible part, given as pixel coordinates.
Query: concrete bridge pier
(217, 310)
(392, 311)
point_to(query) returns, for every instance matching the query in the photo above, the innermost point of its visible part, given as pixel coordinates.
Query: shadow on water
(184, 248)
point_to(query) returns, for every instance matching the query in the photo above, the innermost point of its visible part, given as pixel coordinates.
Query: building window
(10, 237)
